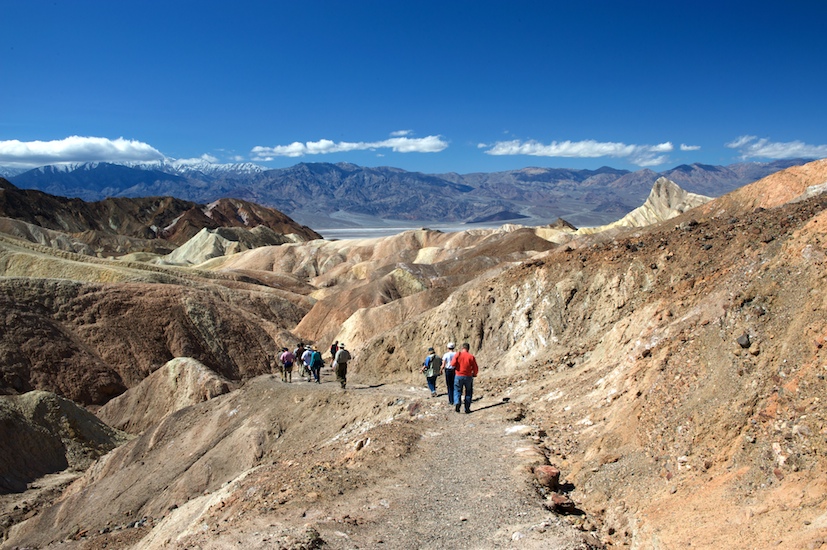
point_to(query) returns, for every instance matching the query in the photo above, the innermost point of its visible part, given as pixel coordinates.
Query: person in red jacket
(466, 370)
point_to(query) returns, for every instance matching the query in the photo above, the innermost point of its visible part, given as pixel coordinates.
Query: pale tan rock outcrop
(182, 382)
(665, 201)
(223, 241)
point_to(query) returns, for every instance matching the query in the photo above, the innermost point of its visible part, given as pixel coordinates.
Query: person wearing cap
(340, 365)
(466, 365)
(449, 371)
(304, 372)
(432, 368)
(287, 358)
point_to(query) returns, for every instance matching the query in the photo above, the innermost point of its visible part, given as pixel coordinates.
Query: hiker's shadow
(491, 406)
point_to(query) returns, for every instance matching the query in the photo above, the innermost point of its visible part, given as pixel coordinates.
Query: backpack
(342, 357)
(432, 364)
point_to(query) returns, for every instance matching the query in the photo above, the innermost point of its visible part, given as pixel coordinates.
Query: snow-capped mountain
(188, 167)
(177, 167)
(8, 172)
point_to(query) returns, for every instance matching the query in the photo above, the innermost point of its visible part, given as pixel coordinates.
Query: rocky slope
(676, 371)
(88, 328)
(43, 433)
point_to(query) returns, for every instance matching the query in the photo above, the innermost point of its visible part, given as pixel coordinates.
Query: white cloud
(30, 154)
(199, 160)
(685, 147)
(740, 142)
(399, 144)
(753, 147)
(641, 155)
(401, 133)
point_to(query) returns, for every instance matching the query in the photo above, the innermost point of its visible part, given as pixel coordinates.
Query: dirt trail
(425, 477)
(467, 486)
(466, 483)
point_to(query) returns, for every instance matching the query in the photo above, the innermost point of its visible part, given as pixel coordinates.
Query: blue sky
(421, 85)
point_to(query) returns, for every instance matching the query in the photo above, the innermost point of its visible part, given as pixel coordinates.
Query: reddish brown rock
(547, 476)
(561, 504)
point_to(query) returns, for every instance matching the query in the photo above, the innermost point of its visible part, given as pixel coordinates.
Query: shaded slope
(43, 433)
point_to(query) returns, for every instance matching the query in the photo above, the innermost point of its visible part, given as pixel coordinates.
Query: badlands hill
(673, 374)
(117, 226)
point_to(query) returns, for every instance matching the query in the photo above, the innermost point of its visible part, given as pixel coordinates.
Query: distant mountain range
(342, 194)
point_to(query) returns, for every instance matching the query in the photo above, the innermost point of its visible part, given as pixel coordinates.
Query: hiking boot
(456, 408)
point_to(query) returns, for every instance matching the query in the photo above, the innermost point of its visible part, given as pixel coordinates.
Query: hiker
(287, 359)
(297, 357)
(316, 364)
(432, 368)
(340, 365)
(334, 347)
(308, 353)
(466, 370)
(449, 371)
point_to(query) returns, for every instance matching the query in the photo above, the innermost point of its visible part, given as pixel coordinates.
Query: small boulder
(547, 476)
(744, 341)
(561, 504)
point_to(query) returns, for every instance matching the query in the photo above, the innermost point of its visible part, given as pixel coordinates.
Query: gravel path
(468, 486)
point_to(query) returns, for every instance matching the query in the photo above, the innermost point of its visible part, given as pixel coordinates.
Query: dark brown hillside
(89, 342)
(88, 328)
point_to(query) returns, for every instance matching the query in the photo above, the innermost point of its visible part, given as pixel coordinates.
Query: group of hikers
(460, 368)
(310, 362)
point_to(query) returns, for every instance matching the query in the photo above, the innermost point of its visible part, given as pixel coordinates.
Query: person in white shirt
(449, 371)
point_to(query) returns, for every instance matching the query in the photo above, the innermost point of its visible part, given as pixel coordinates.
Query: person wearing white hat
(449, 371)
(340, 364)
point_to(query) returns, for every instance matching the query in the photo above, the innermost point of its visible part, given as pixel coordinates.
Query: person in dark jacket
(432, 368)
